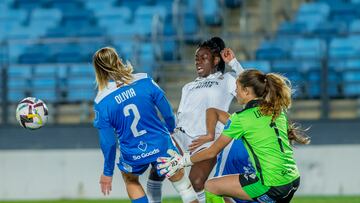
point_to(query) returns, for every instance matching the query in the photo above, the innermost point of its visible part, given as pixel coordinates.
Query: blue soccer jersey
(131, 112)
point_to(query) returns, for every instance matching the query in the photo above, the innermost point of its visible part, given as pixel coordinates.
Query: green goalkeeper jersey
(267, 144)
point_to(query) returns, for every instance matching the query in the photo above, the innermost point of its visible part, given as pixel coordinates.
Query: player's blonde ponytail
(108, 66)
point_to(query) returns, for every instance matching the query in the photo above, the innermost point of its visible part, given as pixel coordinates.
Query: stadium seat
(263, 66)
(344, 47)
(146, 58)
(147, 19)
(343, 11)
(291, 28)
(328, 30)
(18, 82)
(271, 50)
(42, 19)
(99, 5)
(113, 16)
(305, 48)
(35, 54)
(212, 13)
(354, 28)
(190, 27)
(80, 83)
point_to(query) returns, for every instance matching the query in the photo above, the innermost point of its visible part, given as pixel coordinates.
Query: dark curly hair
(215, 45)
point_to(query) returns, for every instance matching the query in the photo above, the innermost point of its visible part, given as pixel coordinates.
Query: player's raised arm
(229, 57)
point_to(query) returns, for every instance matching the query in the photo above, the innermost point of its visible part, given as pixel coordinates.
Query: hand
(105, 183)
(170, 165)
(200, 141)
(227, 55)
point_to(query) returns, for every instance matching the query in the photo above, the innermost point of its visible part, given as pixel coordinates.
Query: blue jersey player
(126, 111)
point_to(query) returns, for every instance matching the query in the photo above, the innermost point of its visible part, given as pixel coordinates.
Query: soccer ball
(32, 113)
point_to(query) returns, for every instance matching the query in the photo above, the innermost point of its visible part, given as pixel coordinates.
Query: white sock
(153, 190)
(201, 196)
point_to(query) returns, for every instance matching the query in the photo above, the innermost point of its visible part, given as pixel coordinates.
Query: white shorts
(184, 140)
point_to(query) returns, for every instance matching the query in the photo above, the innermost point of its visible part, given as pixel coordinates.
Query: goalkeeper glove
(170, 165)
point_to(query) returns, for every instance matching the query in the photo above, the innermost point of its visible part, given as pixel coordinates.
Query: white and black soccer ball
(32, 113)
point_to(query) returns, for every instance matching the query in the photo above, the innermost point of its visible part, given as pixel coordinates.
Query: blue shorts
(135, 169)
(234, 159)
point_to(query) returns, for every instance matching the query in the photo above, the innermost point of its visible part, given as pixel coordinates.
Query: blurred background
(46, 48)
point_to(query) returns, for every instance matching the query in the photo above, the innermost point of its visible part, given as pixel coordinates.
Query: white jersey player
(212, 88)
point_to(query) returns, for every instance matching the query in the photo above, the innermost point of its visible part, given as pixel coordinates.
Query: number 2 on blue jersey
(135, 111)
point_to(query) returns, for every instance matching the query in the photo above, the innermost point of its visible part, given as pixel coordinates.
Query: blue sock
(143, 199)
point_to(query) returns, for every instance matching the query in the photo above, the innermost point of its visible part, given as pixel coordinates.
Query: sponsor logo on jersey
(265, 199)
(142, 146)
(146, 154)
(205, 84)
(125, 95)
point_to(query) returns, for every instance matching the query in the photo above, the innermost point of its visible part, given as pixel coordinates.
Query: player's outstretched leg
(134, 189)
(183, 186)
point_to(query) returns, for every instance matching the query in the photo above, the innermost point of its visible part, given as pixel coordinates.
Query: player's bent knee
(198, 183)
(210, 186)
(185, 189)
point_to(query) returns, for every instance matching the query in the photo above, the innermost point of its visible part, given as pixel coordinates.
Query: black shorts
(265, 194)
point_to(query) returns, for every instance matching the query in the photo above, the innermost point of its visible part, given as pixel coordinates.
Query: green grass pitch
(327, 199)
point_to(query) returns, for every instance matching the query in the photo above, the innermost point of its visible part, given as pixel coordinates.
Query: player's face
(243, 94)
(204, 62)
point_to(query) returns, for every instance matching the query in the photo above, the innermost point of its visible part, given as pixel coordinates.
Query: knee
(210, 186)
(198, 183)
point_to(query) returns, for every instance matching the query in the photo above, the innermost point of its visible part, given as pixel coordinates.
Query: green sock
(212, 198)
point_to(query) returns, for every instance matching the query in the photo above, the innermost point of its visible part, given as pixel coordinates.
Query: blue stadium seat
(66, 53)
(190, 27)
(35, 54)
(44, 83)
(121, 30)
(29, 4)
(312, 14)
(44, 18)
(99, 5)
(168, 44)
(146, 59)
(145, 18)
(344, 47)
(328, 30)
(66, 5)
(113, 16)
(343, 11)
(355, 27)
(351, 77)
(263, 66)
(212, 12)
(18, 82)
(291, 28)
(308, 49)
(80, 83)
(271, 50)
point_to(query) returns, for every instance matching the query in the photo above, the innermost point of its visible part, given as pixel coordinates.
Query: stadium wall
(65, 162)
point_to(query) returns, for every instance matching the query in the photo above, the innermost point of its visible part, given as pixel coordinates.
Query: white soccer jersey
(214, 91)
